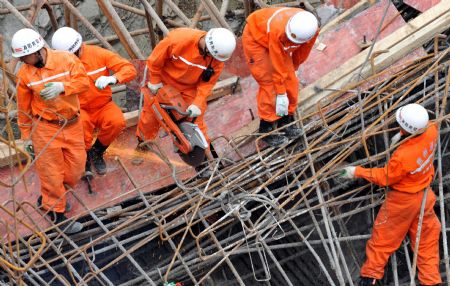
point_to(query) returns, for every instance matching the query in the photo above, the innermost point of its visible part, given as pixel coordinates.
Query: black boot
(273, 140)
(69, 226)
(368, 281)
(39, 204)
(97, 151)
(292, 131)
(87, 168)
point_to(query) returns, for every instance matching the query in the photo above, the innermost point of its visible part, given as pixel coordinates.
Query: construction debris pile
(275, 216)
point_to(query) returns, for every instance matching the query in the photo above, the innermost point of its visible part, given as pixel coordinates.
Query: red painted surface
(342, 4)
(224, 117)
(109, 189)
(342, 43)
(422, 5)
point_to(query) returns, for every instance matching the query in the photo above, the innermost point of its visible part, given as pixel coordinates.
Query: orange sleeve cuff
(361, 172)
(154, 79)
(280, 88)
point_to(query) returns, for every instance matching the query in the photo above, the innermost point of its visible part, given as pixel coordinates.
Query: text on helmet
(28, 46)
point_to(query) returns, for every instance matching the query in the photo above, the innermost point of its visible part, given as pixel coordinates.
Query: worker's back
(416, 156)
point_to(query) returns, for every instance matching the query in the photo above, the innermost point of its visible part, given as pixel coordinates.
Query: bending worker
(190, 61)
(97, 107)
(47, 96)
(408, 174)
(276, 41)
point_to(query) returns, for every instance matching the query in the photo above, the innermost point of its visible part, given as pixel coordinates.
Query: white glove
(396, 138)
(193, 110)
(52, 90)
(282, 104)
(154, 87)
(348, 172)
(104, 81)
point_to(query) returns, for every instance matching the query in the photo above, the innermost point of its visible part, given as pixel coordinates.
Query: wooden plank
(404, 40)
(7, 154)
(131, 118)
(119, 28)
(224, 87)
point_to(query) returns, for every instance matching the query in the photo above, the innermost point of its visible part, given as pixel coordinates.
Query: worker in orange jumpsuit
(190, 61)
(276, 41)
(408, 173)
(97, 107)
(47, 96)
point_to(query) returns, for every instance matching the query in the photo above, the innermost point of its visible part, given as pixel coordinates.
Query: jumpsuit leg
(391, 226)
(74, 154)
(292, 91)
(88, 128)
(428, 255)
(148, 125)
(110, 121)
(258, 61)
(50, 165)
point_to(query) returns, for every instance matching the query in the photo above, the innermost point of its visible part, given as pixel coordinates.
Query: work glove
(154, 87)
(348, 172)
(396, 138)
(193, 110)
(52, 90)
(104, 81)
(282, 104)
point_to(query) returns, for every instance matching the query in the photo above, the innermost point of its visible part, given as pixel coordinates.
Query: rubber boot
(368, 281)
(292, 131)
(87, 168)
(97, 151)
(69, 226)
(39, 204)
(273, 140)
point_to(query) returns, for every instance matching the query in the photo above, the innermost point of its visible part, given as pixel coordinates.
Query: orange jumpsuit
(273, 58)
(409, 171)
(64, 158)
(97, 108)
(177, 61)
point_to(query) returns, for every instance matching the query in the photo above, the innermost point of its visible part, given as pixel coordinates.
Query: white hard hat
(25, 42)
(302, 27)
(220, 43)
(66, 39)
(413, 118)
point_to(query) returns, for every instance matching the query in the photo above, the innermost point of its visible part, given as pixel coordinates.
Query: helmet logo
(71, 48)
(211, 45)
(293, 35)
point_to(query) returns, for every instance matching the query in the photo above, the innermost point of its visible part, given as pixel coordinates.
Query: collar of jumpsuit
(50, 62)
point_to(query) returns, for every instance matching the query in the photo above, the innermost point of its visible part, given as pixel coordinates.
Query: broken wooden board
(398, 44)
